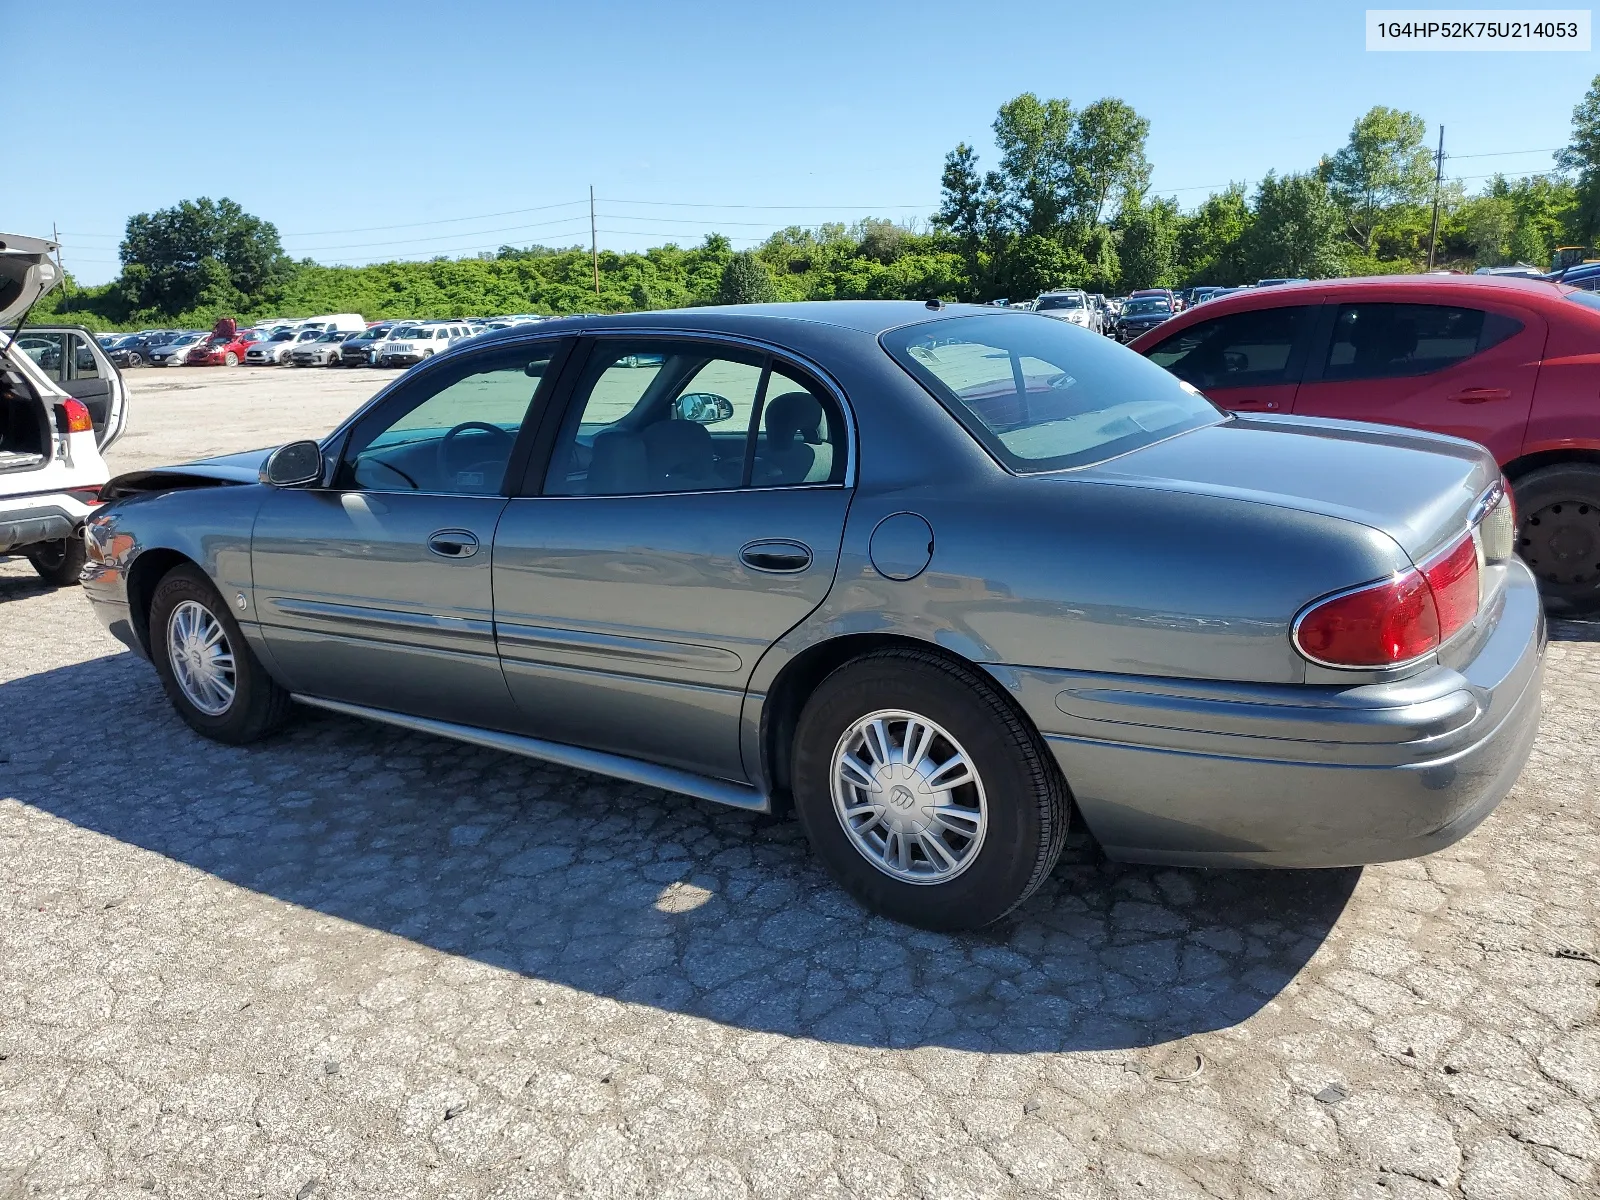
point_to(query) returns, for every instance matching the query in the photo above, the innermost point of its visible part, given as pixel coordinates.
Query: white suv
(51, 471)
(412, 343)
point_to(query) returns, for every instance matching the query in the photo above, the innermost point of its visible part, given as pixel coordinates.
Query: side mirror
(703, 408)
(297, 464)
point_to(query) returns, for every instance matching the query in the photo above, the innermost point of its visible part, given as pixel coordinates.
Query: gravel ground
(358, 962)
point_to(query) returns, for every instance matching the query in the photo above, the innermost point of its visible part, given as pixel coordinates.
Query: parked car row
(337, 340)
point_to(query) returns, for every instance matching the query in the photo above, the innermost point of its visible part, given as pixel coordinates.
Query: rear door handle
(776, 557)
(1481, 395)
(453, 543)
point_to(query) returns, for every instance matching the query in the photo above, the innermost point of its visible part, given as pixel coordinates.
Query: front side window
(1374, 341)
(1240, 350)
(453, 436)
(1042, 397)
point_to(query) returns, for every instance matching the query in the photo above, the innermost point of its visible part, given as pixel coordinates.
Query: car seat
(795, 451)
(681, 457)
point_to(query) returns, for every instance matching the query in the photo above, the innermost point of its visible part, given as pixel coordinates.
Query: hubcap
(908, 797)
(1561, 542)
(201, 657)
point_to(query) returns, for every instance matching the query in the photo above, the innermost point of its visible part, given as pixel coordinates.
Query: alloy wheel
(908, 797)
(201, 658)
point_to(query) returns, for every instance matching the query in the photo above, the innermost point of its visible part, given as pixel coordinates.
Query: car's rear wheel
(925, 793)
(208, 670)
(60, 562)
(231, 359)
(1558, 534)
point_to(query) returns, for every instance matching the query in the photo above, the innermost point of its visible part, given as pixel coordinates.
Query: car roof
(871, 317)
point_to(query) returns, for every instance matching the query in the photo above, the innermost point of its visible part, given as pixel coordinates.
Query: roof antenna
(935, 304)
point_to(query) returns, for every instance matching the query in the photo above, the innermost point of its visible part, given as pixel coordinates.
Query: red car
(1510, 363)
(219, 350)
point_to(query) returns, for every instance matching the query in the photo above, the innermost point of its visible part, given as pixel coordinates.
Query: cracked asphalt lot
(354, 961)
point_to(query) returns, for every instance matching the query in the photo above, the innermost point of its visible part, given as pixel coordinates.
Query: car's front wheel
(209, 672)
(231, 359)
(925, 794)
(60, 562)
(1558, 534)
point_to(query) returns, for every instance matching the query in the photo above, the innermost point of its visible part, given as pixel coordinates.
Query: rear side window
(1042, 394)
(1240, 350)
(1376, 341)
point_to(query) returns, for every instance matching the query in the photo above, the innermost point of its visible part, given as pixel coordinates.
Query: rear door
(1466, 368)
(690, 515)
(1245, 361)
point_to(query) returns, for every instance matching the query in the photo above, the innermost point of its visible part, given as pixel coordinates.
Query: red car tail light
(1397, 620)
(78, 419)
(1453, 579)
(1379, 625)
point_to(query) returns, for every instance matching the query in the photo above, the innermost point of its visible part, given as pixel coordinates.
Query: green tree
(1208, 240)
(1037, 263)
(1295, 230)
(1106, 156)
(1149, 239)
(1035, 141)
(201, 254)
(1581, 156)
(746, 280)
(1382, 167)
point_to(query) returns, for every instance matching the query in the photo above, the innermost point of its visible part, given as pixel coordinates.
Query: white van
(334, 323)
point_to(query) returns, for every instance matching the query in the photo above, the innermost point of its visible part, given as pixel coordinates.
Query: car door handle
(453, 543)
(1481, 395)
(776, 557)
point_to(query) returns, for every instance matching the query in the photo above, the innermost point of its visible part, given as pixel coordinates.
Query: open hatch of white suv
(51, 470)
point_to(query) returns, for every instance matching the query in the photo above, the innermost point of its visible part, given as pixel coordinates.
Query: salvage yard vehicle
(1069, 304)
(1140, 315)
(275, 348)
(357, 351)
(412, 344)
(1499, 360)
(51, 470)
(175, 353)
(319, 352)
(764, 571)
(220, 350)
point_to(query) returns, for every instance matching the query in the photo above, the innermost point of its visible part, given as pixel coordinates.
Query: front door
(690, 515)
(377, 590)
(1247, 361)
(1460, 369)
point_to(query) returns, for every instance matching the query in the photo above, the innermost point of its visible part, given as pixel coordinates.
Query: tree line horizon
(1067, 203)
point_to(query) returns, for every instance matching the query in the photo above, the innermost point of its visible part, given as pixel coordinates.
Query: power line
(768, 207)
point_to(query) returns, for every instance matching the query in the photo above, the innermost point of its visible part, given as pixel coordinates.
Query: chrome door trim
(616, 646)
(386, 617)
(668, 779)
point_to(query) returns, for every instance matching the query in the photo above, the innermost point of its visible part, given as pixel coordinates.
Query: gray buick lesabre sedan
(932, 576)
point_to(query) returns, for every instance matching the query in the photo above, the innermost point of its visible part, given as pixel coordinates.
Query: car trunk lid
(1419, 488)
(26, 272)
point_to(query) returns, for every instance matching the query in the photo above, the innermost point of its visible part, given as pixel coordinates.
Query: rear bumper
(27, 521)
(1200, 774)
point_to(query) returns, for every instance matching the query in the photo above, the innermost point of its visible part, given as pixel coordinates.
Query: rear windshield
(1044, 395)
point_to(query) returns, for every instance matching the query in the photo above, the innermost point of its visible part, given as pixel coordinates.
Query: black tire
(1558, 535)
(59, 563)
(1027, 800)
(259, 705)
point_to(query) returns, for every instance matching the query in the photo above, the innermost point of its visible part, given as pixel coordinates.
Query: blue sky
(684, 117)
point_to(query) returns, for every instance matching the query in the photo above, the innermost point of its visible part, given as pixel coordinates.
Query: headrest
(792, 413)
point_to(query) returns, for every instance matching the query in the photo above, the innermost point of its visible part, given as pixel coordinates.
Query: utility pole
(1438, 183)
(594, 244)
(66, 294)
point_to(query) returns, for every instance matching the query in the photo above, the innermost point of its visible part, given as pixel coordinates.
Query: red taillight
(1402, 618)
(78, 420)
(1453, 579)
(1377, 626)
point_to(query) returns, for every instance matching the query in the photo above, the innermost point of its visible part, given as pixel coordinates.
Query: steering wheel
(447, 469)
